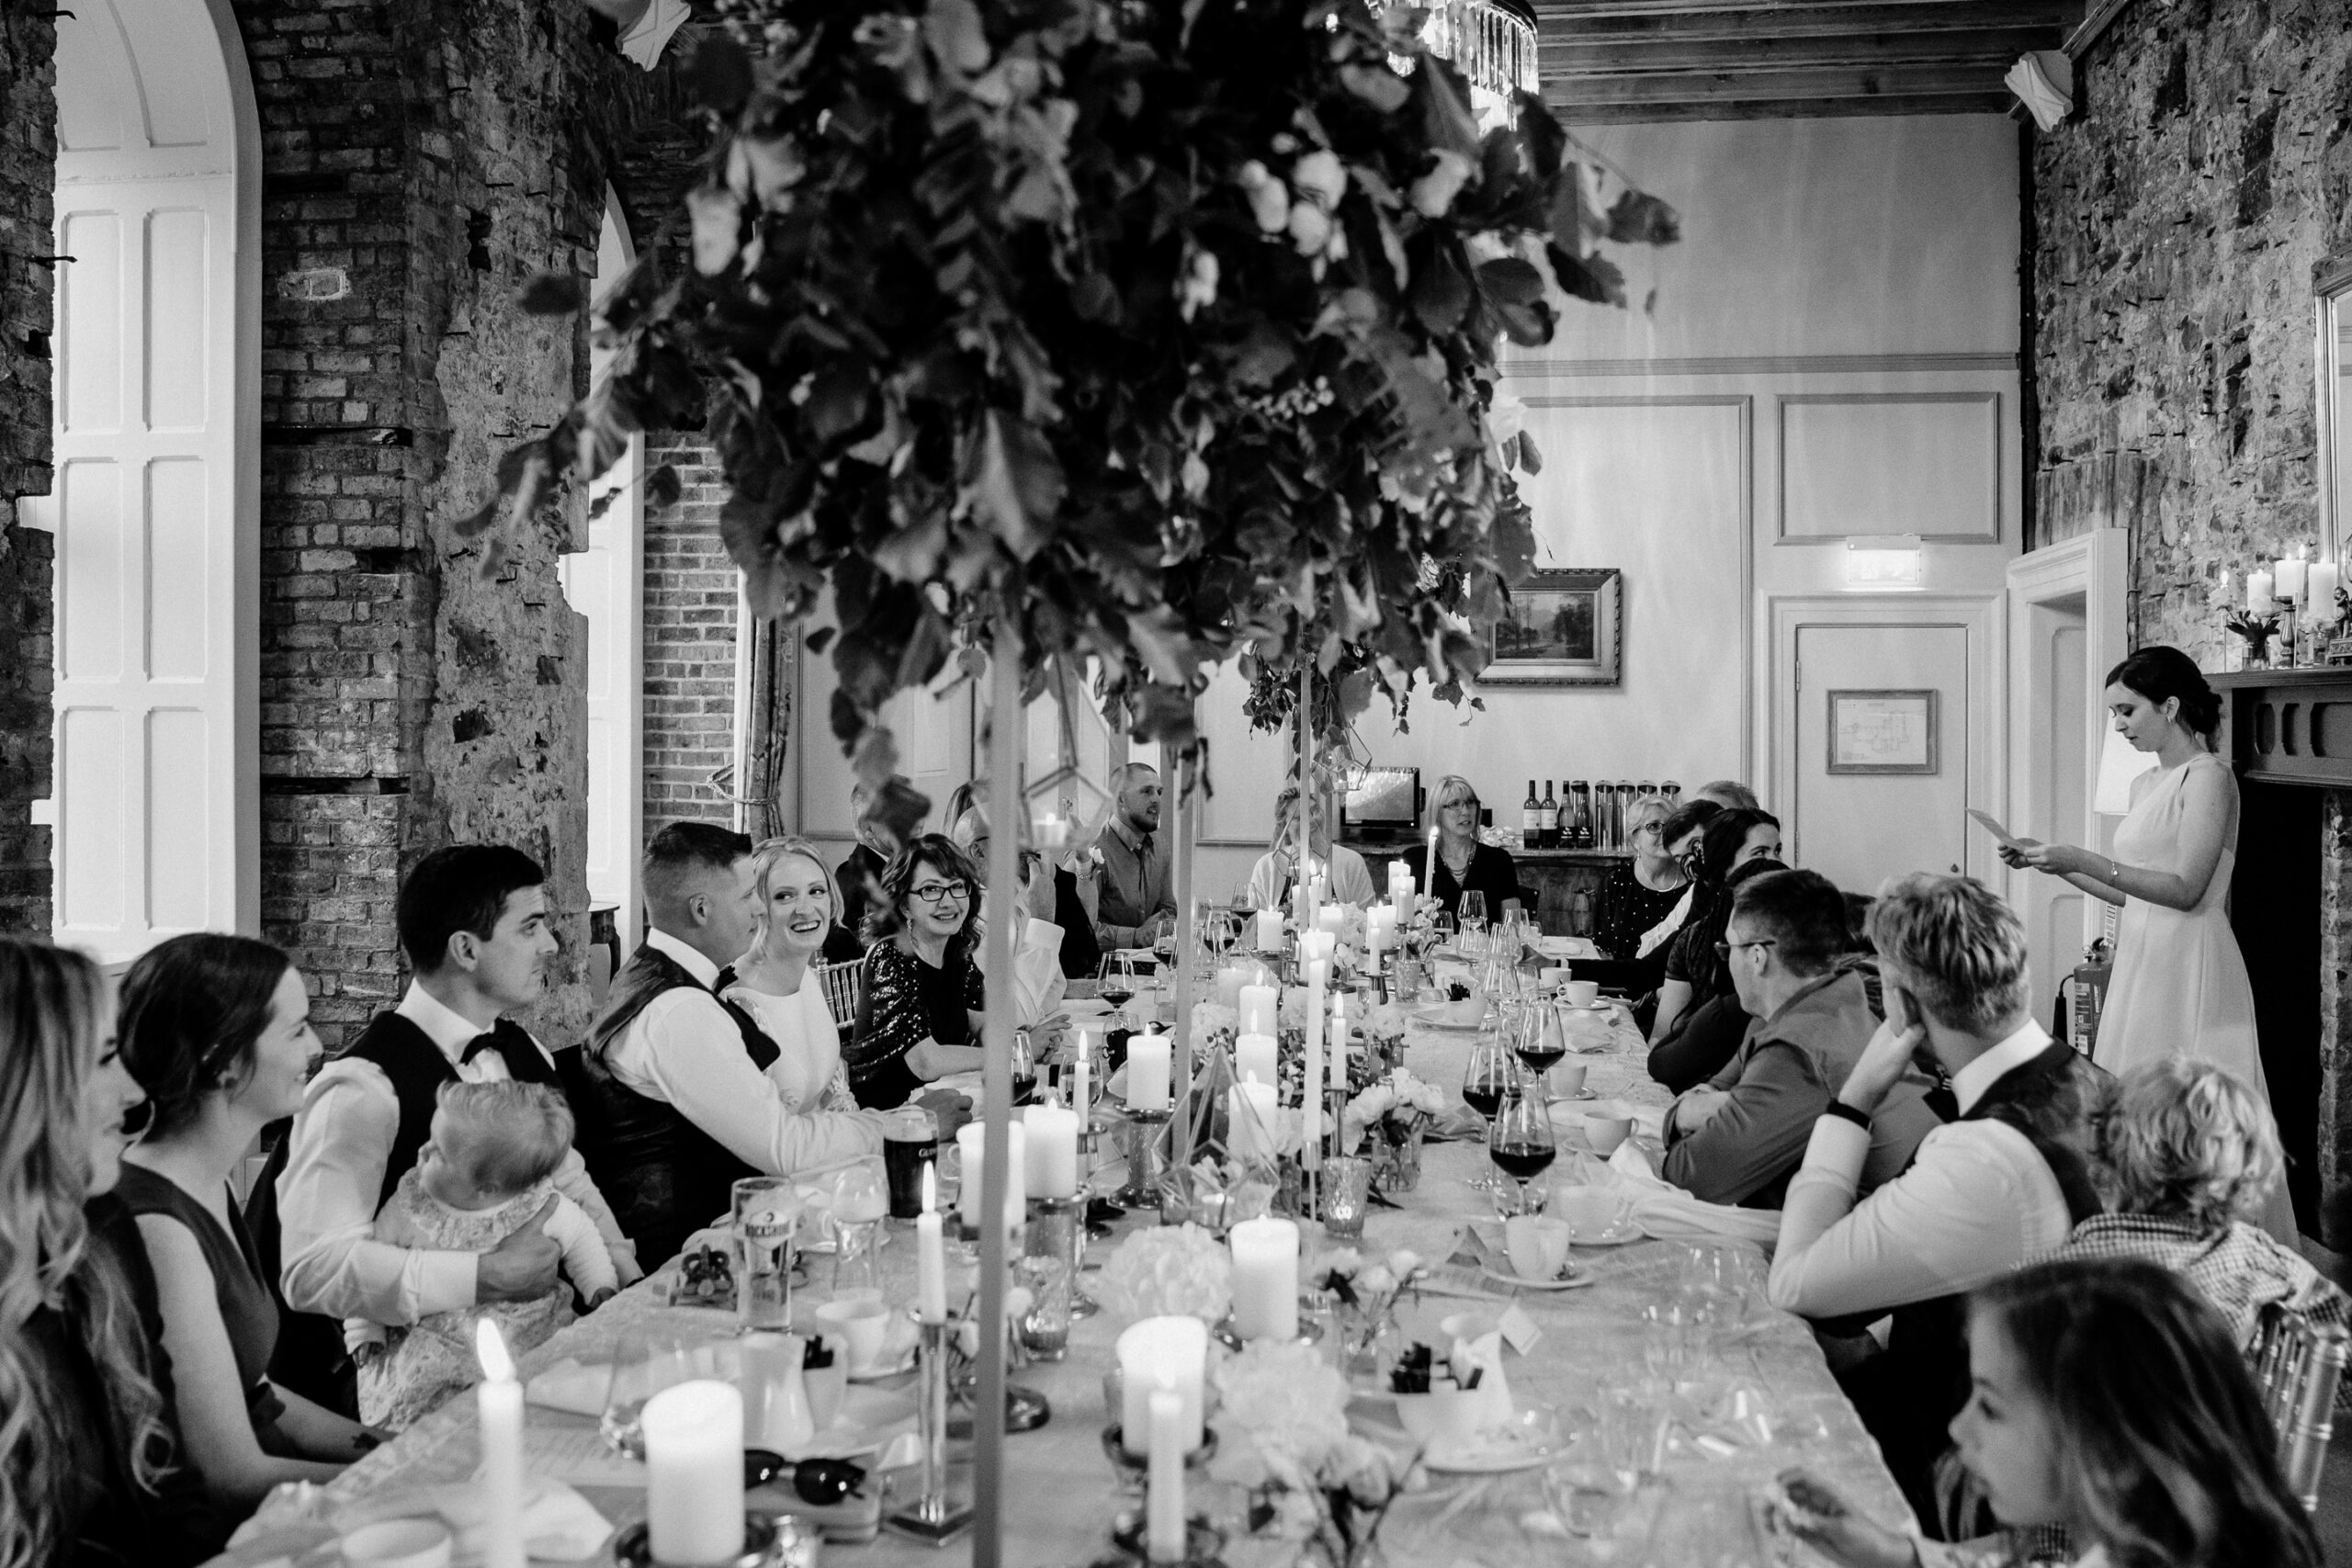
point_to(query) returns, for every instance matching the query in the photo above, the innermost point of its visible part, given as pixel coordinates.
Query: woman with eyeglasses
(920, 1019)
(1463, 865)
(1644, 902)
(1731, 841)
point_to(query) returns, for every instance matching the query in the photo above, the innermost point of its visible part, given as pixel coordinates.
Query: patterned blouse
(907, 1001)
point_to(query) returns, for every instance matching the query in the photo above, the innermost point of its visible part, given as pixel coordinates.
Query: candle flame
(496, 1364)
(929, 1190)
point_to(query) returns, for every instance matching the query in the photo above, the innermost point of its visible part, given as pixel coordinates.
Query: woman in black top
(88, 1448)
(920, 1014)
(1463, 865)
(217, 1030)
(1642, 895)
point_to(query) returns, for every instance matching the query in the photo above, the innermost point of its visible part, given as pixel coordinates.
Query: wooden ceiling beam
(1721, 88)
(1816, 21)
(1781, 108)
(1588, 10)
(1580, 59)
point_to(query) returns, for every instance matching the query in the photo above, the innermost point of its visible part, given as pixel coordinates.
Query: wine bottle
(1550, 817)
(1530, 819)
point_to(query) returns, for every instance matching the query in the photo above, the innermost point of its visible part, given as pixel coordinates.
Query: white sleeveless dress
(2181, 986)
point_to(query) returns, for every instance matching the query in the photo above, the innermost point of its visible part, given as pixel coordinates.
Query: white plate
(1572, 1278)
(1581, 1094)
(1433, 1017)
(1531, 1438)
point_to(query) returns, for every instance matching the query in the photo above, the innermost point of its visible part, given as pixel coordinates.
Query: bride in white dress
(2181, 986)
(798, 903)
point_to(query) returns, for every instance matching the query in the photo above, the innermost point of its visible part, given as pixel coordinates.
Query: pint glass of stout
(909, 1144)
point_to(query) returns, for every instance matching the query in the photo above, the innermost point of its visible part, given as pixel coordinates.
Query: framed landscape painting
(1562, 628)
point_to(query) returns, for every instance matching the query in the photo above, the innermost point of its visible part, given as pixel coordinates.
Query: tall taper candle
(498, 1404)
(931, 1256)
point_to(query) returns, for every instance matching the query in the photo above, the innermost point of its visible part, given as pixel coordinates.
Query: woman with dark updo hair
(2180, 986)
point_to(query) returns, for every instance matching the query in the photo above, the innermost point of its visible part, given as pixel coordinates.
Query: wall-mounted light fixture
(1876, 563)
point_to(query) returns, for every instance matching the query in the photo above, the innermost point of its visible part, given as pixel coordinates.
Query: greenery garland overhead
(1152, 333)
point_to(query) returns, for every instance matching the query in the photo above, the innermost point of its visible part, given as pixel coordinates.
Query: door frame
(2097, 566)
(1981, 617)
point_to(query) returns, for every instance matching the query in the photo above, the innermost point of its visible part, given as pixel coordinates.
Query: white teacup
(1538, 1244)
(1606, 1126)
(1552, 978)
(858, 1324)
(1587, 1213)
(1580, 993)
(1567, 1079)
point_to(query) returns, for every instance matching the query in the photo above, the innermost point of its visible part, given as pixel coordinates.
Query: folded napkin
(1456, 1123)
(570, 1384)
(558, 1523)
(1669, 1214)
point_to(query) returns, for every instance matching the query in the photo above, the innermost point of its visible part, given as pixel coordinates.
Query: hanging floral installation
(1149, 333)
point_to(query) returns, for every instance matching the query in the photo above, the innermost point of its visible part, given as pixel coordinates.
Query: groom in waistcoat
(2006, 1181)
(670, 1091)
(473, 921)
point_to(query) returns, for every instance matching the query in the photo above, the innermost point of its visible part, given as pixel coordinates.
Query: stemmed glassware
(1486, 1082)
(1519, 1140)
(1115, 979)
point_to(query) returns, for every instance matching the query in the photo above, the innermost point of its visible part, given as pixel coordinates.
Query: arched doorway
(156, 803)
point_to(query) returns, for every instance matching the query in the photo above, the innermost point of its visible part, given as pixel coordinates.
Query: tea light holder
(1143, 1133)
(931, 1517)
(1135, 1470)
(1057, 1229)
(770, 1540)
(1203, 1543)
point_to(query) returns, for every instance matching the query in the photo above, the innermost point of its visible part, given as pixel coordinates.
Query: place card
(1519, 1330)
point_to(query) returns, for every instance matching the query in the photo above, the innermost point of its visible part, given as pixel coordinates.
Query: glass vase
(1397, 1150)
(1370, 1341)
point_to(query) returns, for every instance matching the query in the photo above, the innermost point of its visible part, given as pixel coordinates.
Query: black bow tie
(492, 1040)
(723, 979)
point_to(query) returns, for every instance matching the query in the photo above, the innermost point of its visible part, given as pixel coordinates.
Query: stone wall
(27, 173)
(2180, 214)
(689, 641)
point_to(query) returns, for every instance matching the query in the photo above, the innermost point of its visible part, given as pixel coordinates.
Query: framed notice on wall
(1883, 732)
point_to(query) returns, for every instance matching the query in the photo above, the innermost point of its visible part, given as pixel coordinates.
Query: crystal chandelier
(1491, 42)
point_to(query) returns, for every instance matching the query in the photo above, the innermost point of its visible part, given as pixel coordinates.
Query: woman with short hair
(217, 1030)
(921, 1017)
(1463, 865)
(1645, 901)
(88, 1450)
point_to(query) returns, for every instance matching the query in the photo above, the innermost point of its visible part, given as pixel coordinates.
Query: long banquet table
(1059, 1492)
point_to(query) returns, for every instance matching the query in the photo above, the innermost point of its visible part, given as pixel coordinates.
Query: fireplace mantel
(2289, 726)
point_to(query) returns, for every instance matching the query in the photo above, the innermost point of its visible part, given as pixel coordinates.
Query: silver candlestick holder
(1144, 1132)
(931, 1517)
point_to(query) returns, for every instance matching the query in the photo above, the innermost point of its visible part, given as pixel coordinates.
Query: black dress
(1491, 872)
(907, 1001)
(1626, 912)
(247, 1311)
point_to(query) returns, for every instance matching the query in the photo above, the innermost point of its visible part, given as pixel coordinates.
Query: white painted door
(605, 584)
(2053, 695)
(1858, 830)
(156, 803)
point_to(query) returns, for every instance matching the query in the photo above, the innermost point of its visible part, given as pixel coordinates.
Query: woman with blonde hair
(1348, 879)
(799, 904)
(1645, 901)
(1463, 865)
(87, 1443)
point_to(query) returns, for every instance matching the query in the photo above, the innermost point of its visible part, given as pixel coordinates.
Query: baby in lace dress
(482, 1176)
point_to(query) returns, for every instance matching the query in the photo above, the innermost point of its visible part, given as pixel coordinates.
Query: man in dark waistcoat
(2008, 1180)
(672, 1093)
(473, 921)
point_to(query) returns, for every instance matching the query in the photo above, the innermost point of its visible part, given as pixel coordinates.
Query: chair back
(845, 987)
(2296, 1365)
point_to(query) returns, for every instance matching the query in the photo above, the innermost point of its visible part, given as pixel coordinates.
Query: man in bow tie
(473, 920)
(1137, 906)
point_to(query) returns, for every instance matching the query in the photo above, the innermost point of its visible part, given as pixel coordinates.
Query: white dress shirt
(1351, 878)
(334, 1173)
(1977, 1201)
(684, 1050)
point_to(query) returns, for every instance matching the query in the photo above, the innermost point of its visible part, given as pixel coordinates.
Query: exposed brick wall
(27, 173)
(689, 641)
(2180, 215)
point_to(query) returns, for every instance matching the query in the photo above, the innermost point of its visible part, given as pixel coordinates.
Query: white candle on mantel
(1251, 1109)
(1149, 1063)
(1164, 1510)
(1254, 1057)
(931, 1256)
(2289, 577)
(972, 1138)
(2260, 595)
(1269, 931)
(694, 1474)
(498, 1404)
(1161, 1353)
(1265, 1278)
(1259, 1010)
(1051, 1139)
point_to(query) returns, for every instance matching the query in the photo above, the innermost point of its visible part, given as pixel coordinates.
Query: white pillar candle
(1258, 1014)
(1164, 1519)
(2324, 581)
(1230, 981)
(931, 1256)
(498, 1404)
(1251, 1108)
(1051, 1139)
(1265, 1278)
(2289, 577)
(1330, 918)
(972, 1138)
(1161, 1353)
(1149, 1063)
(1269, 931)
(693, 1472)
(1254, 1057)
(2260, 595)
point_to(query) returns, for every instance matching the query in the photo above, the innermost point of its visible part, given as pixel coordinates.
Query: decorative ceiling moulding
(1918, 461)
(2097, 17)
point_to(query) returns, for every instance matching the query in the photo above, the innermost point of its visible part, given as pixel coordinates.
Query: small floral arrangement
(1371, 1289)
(1213, 1024)
(1383, 1026)
(2258, 630)
(1168, 1271)
(1311, 1480)
(1399, 1101)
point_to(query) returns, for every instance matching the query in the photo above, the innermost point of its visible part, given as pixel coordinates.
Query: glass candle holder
(1347, 1193)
